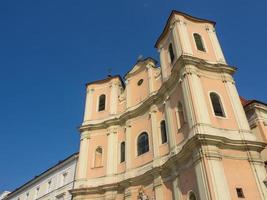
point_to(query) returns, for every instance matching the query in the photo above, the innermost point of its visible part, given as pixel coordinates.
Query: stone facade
(175, 131)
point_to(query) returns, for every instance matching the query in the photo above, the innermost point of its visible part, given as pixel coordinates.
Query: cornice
(185, 65)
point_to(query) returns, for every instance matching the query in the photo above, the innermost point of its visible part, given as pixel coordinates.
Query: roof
(106, 80)
(246, 102)
(49, 169)
(175, 12)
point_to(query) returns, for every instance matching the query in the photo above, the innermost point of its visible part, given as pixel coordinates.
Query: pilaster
(128, 145)
(150, 78)
(114, 97)
(170, 125)
(215, 44)
(157, 186)
(112, 150)
(154, 126)
(88, 111)
(83, 156)
(128, 94)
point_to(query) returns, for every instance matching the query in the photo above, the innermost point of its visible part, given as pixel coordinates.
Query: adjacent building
(53, 184)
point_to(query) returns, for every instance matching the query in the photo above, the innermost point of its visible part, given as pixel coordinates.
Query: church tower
(174, 131)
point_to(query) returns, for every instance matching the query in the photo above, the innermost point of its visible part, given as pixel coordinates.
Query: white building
(52, 184)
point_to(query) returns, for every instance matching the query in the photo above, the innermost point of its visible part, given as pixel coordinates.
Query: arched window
(216, 104)
(163, 131)
(142, 143)
(199, 42)
(122, 152)
(180, 115)
(102, 102)
(98, 157)
(192, 196)
(171, 52)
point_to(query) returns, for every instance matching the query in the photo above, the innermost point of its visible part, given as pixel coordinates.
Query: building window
(180, 115)
(102, 102)
(240, 193)
(140, 82)
(163, 131)
(199, 42)
(171, 52)
(122, 152)
(217, 105)
(192, 196)
(142, 143)
(98, 157)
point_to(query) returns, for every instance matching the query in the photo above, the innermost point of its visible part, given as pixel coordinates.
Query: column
(236, 105)
(154, 126)
(184, 38)
(112, 150)
(163, 64)
(128, 94)
(259, 172)
(128, 145)
(157, 186)
(83, 156)
(114, 97)
(177, 42)
(216, 45)
(177, 195)
(88, 111)
(150, 78)
(170, 127)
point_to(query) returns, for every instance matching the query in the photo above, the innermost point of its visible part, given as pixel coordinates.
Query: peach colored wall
(200, 28)
(163, 148)
(139, 125)
(187, 181)
(157, 81)
(98, 138)
(139, 93)
(214, 85)
(239, 174)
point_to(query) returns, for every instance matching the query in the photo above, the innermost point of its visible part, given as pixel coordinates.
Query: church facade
(175, 131)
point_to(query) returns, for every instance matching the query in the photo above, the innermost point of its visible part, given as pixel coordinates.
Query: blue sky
(50, 49)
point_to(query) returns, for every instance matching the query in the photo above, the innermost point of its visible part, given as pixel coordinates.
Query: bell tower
(187, 35)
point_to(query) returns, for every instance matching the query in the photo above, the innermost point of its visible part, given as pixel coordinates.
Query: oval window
(140, 82)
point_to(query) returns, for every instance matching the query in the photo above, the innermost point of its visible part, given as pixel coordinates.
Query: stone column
(128, 145)
(112, 150)
(176, 40)
(114, 93)
(83, 156)
(157, 186)
(150, 78)
(162, 54)
(216, 45)
(128, 94)
(236, 104)
(88, 111)
(154, 126)
(170, 126)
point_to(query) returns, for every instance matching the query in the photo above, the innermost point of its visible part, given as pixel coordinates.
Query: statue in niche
(142, 195)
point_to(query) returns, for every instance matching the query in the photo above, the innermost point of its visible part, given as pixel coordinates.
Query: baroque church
(174, 130)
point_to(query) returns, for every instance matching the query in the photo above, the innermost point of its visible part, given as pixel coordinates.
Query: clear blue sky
(50, 49)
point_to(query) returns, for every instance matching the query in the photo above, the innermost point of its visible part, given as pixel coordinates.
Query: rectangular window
(240, 193)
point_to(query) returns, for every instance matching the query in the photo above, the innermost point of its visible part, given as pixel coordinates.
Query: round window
(140, 82)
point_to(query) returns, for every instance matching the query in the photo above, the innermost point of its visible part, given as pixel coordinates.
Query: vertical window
(163, 131)
(240, 193)
(180, 115)
(199, 42)
(102, 102)
(171, 52)
(142, 143)
(217, 105)
(98, 157)
(122, 152)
